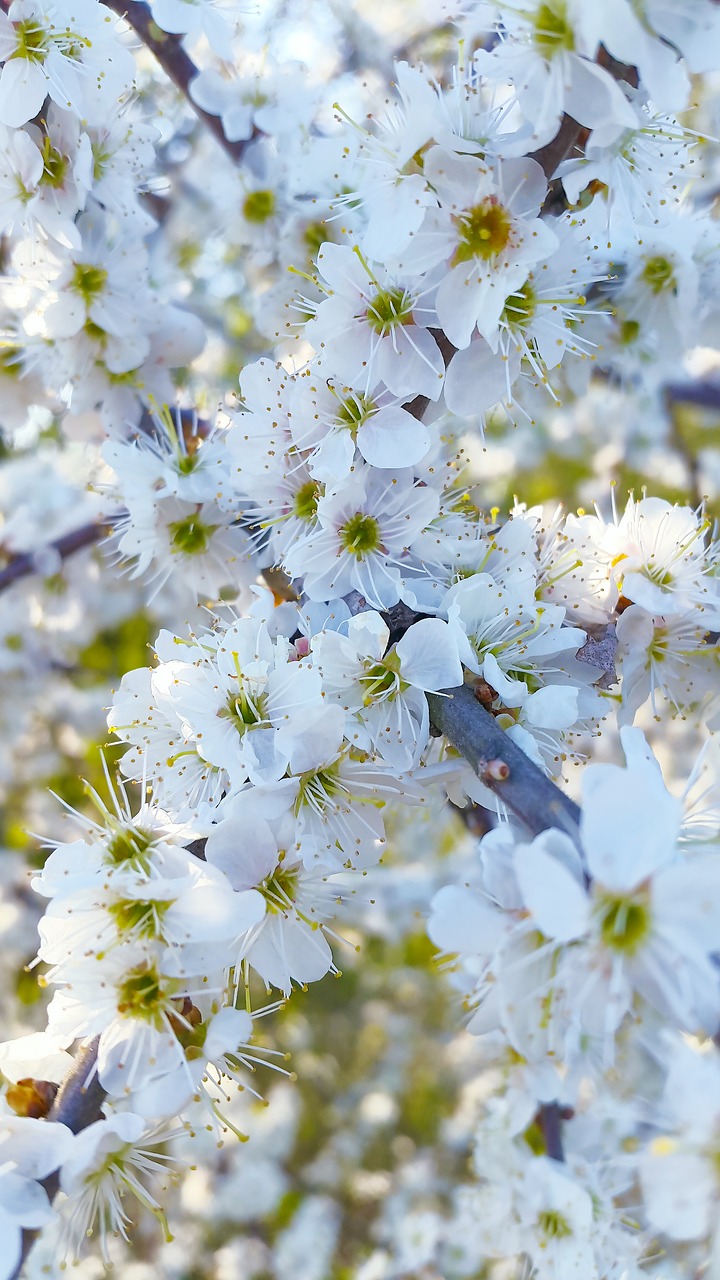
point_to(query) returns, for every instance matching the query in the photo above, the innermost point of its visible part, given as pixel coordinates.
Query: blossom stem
(173, 59)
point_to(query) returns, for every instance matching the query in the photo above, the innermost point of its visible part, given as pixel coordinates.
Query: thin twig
(180, 68)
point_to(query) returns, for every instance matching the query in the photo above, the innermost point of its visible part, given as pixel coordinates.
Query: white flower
(110, 1158)
(383, 691)
(487, 234)
(373, 326)
(252, 844)
(217, 20)
(679, 1169)
(67, 51)
(364, 530)
(29, 1151)
(332, 423)
(548, 53)
(199, 544)
(649, 921)
(242, 708)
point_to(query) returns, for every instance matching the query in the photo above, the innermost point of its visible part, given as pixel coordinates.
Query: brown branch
(77, 1105)
(173, 59)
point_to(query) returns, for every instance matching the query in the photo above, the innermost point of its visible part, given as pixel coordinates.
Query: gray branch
(500, 764)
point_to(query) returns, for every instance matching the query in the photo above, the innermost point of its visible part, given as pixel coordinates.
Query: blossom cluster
(458, 265)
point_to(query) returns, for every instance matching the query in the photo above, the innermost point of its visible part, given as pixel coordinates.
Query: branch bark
(501, 764)
(180, 68)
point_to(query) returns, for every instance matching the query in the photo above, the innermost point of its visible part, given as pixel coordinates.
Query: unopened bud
(32, 1098)
(495, 770)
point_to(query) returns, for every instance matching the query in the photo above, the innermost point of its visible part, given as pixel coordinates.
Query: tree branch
(22, 566)
(500, 764)
(180, 68)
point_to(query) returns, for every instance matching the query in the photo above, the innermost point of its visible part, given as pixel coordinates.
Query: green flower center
(10, 361)
(553, 32)
(659, 274)
(314, 235)
(360, 535)
(484, 231)
(143, 918)
(187, 463)
(55, 165)
(141, 994)
(388, 308)
(280, 888)
(624, 923)
(553, 1225)
(128, 844)
(354, 411)
(306, 500)
(520, 307)
(318, 789)
(258, 206)
(32, 41)
(88, 280)
(244, 711)
(100, 161)
(190, 537)
(628, 332)
(382, 679)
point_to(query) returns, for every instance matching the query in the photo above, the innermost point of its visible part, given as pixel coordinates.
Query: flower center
(88, 280)
(306, 500)
(484, 231)
(143, 918)
(355, 410)
(279, 889)
(624, 923)
(318, 789)
(520, 307)
(258, 206)
(659, 274)
(388, 308)
(382, 679)
(32, 41)
(245, 711)
(360, 535)
(141, 994)
(629, 332)
(190, 536)
(128, 844)
(553, 32)
(54, 165)
(553, 1225)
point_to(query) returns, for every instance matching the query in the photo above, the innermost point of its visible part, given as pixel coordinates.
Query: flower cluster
(512, 229)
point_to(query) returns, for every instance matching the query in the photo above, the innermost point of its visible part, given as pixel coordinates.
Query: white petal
(429, 656)
(558, 904)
